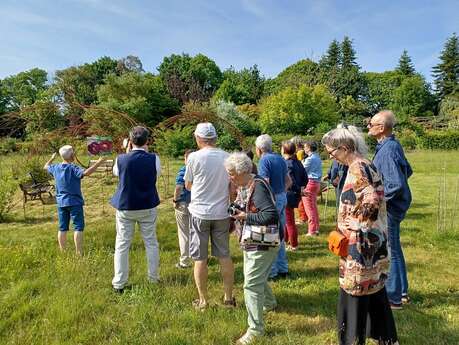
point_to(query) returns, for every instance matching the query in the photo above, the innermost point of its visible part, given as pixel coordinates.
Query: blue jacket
(137, 181)
(392, 165)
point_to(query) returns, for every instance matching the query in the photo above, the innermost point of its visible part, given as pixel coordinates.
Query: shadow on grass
(34, 220)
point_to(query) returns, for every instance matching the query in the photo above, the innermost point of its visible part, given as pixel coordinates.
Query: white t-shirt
(210, 191)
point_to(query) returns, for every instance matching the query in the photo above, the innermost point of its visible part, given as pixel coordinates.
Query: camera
(234, 208)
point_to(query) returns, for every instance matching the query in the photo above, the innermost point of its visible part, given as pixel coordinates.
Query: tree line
(311, 95)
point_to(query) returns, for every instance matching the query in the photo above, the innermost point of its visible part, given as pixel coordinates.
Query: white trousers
(125, 225)
(182, 217)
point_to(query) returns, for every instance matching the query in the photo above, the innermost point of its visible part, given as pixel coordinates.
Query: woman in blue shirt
(313, 165)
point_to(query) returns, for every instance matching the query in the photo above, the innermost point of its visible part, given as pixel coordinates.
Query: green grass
(48, 297)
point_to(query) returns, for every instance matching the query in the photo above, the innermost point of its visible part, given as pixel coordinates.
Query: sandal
(231, 303)
(197, 305)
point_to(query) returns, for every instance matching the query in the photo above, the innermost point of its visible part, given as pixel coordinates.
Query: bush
(407, 139)
(8, 145)
(173, 142)
(439, 140)
(7, 189)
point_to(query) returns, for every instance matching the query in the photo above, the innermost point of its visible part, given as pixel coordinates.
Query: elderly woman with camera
(360, 241)
(255, 210)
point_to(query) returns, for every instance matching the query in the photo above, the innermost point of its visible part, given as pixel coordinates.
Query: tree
(241, 87)
(42, 117)
(297, 110)
(130, 63)
(381, 87)
(77, 85)
(23, 89)
(333, 57)
(302, 72)
(412, 98)
(190, 78)
(348, 55)
(143, 97)
(405, 66)
(446, 73)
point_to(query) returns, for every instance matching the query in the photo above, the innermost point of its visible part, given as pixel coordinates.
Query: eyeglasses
(371, 125)
(332, 152)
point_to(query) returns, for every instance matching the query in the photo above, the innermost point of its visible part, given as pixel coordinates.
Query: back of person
(273, 167)
(313, 166)
(209, 191)
(137, 181)
(299, 179)
(68, 183)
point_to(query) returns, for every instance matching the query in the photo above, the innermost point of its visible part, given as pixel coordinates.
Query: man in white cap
(208, 181)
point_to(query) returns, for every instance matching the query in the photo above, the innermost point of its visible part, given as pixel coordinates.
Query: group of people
(218, 193)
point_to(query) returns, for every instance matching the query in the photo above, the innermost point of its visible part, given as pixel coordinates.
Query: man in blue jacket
(135, 201)
(392, 165)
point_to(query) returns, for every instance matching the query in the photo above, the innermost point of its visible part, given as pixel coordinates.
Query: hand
(240, 216)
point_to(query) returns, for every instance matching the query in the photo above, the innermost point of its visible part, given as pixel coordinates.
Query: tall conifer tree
(446, 73)
(405, 65)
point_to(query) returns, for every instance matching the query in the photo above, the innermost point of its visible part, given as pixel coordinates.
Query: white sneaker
(247, 338)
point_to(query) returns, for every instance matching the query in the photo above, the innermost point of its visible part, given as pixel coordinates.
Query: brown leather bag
(338, 243)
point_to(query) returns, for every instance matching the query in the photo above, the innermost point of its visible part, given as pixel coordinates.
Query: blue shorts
(75, 212)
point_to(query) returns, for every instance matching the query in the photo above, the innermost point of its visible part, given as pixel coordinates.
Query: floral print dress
(362, 218)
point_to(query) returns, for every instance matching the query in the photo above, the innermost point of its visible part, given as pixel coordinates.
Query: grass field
(48, 297)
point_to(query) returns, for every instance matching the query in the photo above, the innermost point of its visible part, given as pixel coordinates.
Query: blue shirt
(185, 195)
(313, 166)
(392, 165)
(68, 184)
(273, 167)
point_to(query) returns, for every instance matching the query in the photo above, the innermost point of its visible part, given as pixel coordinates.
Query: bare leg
(200, 277)
(62, 239)
(78, 239)
(227, 268)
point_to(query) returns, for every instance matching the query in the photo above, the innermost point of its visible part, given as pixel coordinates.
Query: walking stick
(326, 202)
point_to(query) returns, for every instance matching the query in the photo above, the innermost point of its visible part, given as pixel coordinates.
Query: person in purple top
(68, 195)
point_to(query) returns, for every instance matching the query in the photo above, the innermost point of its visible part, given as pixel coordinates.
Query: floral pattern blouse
(362, 218)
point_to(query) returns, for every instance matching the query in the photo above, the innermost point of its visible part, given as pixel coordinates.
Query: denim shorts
(75, 213)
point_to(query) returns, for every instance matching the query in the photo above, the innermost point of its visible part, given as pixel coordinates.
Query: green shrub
(8, 145)
(7, 189)
(407, 139)
(173, 142)
(439, 140)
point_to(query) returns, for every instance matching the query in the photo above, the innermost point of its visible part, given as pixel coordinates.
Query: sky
(56, 34)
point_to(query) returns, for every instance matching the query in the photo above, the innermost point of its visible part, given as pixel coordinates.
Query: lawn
(50, 297)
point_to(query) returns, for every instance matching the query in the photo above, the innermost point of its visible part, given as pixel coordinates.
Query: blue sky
(272, 34)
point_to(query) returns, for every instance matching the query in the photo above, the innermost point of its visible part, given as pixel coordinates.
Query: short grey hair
(239, 163)
(264, 142)
(298, 141)
(66, 152)
(388, 118)
(348, 136)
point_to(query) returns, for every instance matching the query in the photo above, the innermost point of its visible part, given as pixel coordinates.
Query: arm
(267, 212)
(93, 168)
(158, 166)
(392, 175)
(48, 163)
(288, 182)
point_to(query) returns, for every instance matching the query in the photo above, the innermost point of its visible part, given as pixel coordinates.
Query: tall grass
(50, 297)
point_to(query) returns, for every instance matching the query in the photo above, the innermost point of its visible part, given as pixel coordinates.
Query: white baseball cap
(205, 130)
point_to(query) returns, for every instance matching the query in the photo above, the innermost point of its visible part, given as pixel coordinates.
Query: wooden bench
(35, 190)
(106, 167)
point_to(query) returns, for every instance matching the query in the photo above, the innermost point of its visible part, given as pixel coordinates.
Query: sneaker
(293, 249)
(231, 303)
(283, 275)
(406, 299)
(182, 265)
(247, 338)
(396, 306)
(119, 291)
(270, 308)
(310, 234)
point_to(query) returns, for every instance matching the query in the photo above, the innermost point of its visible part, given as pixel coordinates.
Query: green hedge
(439, 140)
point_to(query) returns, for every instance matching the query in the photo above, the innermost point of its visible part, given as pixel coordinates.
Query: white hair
(239, 163)
(388, 118)
(264, 142)
(348, 136)
(66, 152)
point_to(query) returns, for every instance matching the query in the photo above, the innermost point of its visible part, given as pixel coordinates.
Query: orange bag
(338, 243)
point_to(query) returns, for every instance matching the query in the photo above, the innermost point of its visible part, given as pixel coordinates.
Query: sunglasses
(371, 125)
